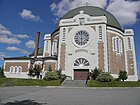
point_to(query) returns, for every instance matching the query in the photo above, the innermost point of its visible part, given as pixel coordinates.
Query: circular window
(81, 38)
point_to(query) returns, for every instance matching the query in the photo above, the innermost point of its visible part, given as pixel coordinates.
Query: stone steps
(74, 83)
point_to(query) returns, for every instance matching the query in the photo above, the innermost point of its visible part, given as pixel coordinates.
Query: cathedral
(85, 38)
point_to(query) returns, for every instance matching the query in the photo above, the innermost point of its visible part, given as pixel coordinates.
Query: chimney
(36, 44)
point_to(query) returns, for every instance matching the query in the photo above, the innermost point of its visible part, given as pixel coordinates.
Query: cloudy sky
(21, 19)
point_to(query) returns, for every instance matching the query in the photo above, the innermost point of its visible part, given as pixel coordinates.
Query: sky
(21, 19)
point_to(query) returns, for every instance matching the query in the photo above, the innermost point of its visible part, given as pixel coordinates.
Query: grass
(27, 82)
(93, 83)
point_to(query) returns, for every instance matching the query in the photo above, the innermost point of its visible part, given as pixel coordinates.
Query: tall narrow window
(15, 69)
(120, 45)
(114, 43)
(129, 44)
(117, 42)
(100, 33)
(64, 31)
(47, 43)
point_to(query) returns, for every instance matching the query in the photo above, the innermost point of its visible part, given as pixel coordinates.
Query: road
(69, 96)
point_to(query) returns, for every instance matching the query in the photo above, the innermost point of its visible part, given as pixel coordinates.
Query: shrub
(51, 75)
(1, 72)
(105, 77)
(94, 73)
(122, 75)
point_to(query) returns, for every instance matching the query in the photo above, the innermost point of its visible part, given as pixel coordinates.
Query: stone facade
(101, 56)
(62, 56)
(130, 62)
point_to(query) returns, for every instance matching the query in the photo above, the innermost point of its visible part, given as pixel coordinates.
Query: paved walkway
(74, 83)
(69, 96)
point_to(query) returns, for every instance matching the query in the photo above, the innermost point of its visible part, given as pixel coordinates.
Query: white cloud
(30, 44)
(66, 5)
(13, 48)
(7, 40)
(27, 15)
(8, 37)
(4, 30)
(126, 11)
(22, 36)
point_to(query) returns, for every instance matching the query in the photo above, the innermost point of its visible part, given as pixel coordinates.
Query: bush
(94, 73)
(51, 75)
(1, 72)
(105, 77)
(122, 75)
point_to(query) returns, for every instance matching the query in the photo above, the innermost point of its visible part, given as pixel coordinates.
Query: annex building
(85, 38)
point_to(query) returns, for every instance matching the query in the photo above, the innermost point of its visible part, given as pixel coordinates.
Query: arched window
(129, 44)
(11, 69)
(120, 47)
(114, 43)
(117, 42)
(16, 69)
(117, 45)
(81, 62)
(20, 69)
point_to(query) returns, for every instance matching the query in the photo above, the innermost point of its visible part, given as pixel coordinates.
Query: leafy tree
(1, 72)
(94, 73)
(123, 75)
(105, 77)
(35, 71)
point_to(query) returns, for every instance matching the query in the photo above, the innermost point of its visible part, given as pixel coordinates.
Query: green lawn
(27, 82)
(93, 83)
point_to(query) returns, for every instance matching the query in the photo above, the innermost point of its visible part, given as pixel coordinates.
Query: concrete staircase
(74, 83)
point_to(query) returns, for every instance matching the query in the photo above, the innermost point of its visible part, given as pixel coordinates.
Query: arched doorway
(81, 72)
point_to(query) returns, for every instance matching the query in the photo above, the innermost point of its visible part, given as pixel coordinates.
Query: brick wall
(24, 65)
(116, 62)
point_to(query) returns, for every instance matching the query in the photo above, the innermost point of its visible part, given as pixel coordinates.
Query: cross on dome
(81, 12)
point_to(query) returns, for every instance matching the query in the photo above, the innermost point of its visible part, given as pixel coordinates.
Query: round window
(81, 38)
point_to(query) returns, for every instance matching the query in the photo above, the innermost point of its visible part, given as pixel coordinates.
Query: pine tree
(123, 75)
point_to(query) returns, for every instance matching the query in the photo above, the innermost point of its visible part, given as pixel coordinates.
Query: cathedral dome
(94, 11)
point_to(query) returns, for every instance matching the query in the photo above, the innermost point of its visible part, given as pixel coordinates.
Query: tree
(123, 75)
(94, 73)
(35, 71)
(1, 72)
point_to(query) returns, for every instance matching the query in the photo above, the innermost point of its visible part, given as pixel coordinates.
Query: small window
(82, 21)
(129, 44)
